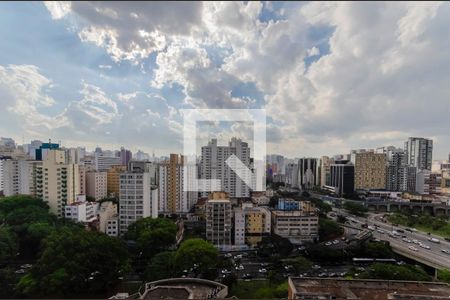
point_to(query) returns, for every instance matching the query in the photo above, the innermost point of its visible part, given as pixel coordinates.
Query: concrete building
(370, 170)
(96, 185)
(104, 163)
(251, 224)
(137, 198)
(218, 219)
(178, 288)
(428, 183)
(298, 226)
(260, 198)
(364, 289)
(125, 156)
(41, 152)
(108, 218)
(82, 175)
(419, 153)
(213, 166)
(172, 195)
(57, 182)
(309, 175)
(145, 166)
(400, 177)
(113, 180)
(292, 172)
(81, 211)
(17, 177)
(325, 170)
(342, 178)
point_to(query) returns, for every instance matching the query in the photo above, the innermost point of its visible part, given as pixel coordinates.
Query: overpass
(435, 209)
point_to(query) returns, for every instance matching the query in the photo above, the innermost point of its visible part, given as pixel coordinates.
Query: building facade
(370, 170)
(218, 215)
(17, 177)
(251, 224)
(96, 185)
(419, 153)
(113, 180)
(299, 226)
(342, 178)
(137, 199)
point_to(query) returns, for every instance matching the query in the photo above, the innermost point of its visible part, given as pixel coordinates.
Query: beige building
(108, 218)
(113, 180)
(370, 170)
(298, 226)
(325, 170)
(96, 185)
(218, 219)
(251, 224)
(172, 197)
(57, 182)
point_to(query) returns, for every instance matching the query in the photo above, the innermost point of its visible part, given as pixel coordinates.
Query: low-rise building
(260, 198)
(82, 211)
(367, 289)
(251, 224)
(108, 218)
(298, 226)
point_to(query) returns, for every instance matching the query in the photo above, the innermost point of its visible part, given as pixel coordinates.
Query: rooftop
(340, 289)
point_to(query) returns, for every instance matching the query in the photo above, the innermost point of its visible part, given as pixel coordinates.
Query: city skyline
(101, 74)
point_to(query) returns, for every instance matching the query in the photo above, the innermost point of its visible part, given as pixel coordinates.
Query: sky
(330, 76)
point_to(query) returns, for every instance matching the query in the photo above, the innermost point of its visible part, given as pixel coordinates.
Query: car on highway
(406, 240)
(262, 270)
(240, 267)
(434, 240)
(380, 231)
(225, 271)
(400, 230)
(413, 248)
(328, 244)
(445, 251)
(415, 241)
(247, 276)
(413, 230)
(425, 246)
(335, 242)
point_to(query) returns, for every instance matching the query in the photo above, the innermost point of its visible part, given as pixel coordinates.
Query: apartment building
(172, 179)
(113, 180)
(218, 214)
(213, 166)
(251, 224)
(370, 170)
(108, 218)
(57, 182)
(17, 176)
(104, 163)
(96, 185)
(81, 211)
(325, 170)
(137, 198)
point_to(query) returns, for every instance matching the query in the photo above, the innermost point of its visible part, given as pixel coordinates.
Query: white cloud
(58, 9)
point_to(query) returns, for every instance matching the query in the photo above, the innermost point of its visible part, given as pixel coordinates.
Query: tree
(8, 244)
(152, 235)
(329, 229)
(197, 252)
(378, 250)
(274, 244)
(444, 275)
(355, 208)
(161, 266)
(394, 272)
(323, 207)
(75, 261)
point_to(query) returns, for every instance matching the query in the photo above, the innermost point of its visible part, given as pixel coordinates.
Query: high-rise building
(292, 174)
(251, 224)
(308, 173)
(213, 166)
(137, 198)
(113, 180)
(325, 167)
(342, 178)
(428, 182)
(172, 195)
(42, 151)
(370, 170)
(419, 153)
(17, 176)
(125, 156)
(57, 182)
(96, 185)
(104, 163)
(218, 219)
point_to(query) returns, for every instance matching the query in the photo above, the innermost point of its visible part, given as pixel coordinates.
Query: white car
(445, 251)
(407, 240)
(328, 244)
(413, 248)
(415, 241)
(335, 242)
(380, 231)
(262, 270)
(434, 240)
(413, 230)
(424, 246)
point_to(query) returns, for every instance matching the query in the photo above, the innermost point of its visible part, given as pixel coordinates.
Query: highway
(434, 256)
